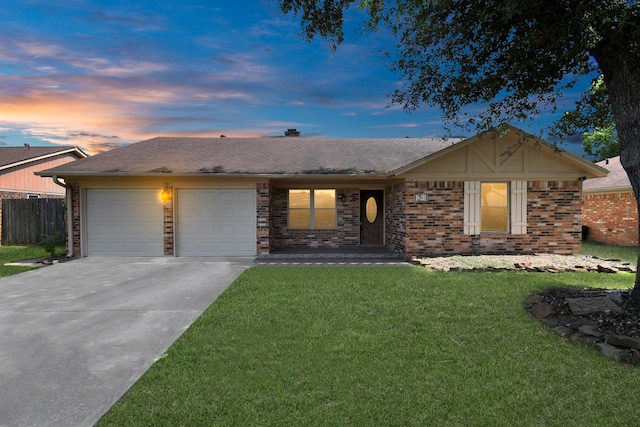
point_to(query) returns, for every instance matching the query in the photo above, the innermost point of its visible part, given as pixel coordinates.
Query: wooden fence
(26, 221)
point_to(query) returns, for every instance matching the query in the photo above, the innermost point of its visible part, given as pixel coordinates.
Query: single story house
(498, 192)
(609, 208)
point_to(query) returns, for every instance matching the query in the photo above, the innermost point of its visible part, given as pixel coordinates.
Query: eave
(74, 150)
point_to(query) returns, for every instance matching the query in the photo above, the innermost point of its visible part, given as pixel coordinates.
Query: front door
(371, 217)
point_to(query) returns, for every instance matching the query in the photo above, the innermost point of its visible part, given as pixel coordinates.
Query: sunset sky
(101, 73)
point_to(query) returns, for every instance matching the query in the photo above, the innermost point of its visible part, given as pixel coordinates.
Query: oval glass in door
(371, 208)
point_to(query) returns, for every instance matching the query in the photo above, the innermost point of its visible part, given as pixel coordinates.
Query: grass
(625, 253)
(381, 346)
(10, 254)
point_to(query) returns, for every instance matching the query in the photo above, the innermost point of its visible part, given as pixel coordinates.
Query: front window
(312, 209)
(494, 209)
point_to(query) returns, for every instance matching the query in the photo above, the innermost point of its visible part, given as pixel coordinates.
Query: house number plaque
(424, 197)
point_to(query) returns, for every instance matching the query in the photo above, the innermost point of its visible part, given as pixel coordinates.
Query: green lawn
(381, 346)
(19, 253)
(624, 253)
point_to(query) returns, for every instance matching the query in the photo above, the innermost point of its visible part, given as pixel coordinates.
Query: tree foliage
(592, 118)
(515, 58)
(601, 143)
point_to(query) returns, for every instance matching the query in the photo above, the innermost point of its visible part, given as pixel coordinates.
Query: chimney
(291, 133)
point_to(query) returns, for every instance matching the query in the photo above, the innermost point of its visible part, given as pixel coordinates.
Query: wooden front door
(371, 217)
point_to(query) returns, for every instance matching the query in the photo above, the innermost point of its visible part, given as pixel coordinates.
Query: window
(33, 196)
(494, 209)
(312, 209)
(491, 207)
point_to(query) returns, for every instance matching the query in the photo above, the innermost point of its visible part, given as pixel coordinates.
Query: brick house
(609, 208)
(497, 192)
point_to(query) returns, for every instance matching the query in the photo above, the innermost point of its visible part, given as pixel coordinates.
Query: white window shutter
(518, 207)
(471, 207)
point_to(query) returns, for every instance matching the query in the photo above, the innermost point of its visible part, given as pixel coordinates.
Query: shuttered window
(495, 207)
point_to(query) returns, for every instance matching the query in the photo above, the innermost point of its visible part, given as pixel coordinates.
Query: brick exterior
(611, 218)
(75, 220)
(346, 234)
(263, 218)
(394, 221)
(168, 223)
(432, 228)
(435, 228)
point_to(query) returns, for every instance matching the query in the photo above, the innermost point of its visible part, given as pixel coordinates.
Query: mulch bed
(615, 331)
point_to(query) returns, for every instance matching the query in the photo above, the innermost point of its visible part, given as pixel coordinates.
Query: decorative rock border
(438, 264)
(622, 348)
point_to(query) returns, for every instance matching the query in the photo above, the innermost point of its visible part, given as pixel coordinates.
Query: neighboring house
(609, 208)
(497, 192)
(18, 164)
(17, 168)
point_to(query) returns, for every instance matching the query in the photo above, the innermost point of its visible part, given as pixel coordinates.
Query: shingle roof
(257, 156)
(617, 177)
(12, 155)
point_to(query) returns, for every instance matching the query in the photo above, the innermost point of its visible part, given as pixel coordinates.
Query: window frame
(312, 209)
(517, 207)
(506, 207)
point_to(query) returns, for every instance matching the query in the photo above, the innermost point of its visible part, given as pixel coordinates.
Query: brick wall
(168, 223)
(611, 218)
(347, 232)
(435, 228)
(395, 201)
(75, 220)
(263, 218)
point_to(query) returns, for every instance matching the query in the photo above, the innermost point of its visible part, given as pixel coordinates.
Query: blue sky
(98, 74)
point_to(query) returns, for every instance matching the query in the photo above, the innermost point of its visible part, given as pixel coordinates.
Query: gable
(513, 155)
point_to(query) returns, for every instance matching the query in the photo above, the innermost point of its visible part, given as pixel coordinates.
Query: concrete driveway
(75, 336)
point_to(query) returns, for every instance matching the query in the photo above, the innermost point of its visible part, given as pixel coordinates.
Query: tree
(601, 143)
(592, 117)
(511, 56)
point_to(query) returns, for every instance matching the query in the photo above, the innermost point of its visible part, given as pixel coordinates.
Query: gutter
(69, 203)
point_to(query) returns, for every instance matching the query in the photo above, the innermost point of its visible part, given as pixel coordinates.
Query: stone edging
(439, 265)
(622, 348)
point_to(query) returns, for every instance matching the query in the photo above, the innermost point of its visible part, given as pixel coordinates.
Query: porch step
(374, 252)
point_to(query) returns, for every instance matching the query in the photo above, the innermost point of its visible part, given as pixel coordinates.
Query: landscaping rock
(582, 306)
(611, 351)
(603, 269)
(623, 341)
(563, 331)
(542, 310)
(614, 329)
(590, 331)
(616, 296)
(533, 299)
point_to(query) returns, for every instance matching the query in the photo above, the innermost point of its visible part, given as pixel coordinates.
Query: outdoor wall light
(342, 197)
(165, 194)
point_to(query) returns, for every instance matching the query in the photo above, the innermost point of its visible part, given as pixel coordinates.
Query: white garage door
(124, 222)
(216, 222)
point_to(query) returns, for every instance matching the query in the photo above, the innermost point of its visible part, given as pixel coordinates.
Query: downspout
(69, 203)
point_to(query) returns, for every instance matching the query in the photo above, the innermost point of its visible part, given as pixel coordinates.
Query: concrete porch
(348, 256)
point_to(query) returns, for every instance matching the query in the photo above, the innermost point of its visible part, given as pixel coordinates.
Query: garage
(124, 222)
(216, 222)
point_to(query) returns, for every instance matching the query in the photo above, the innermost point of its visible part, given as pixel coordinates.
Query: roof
(16, 156)
(256, 156)
(616, 180)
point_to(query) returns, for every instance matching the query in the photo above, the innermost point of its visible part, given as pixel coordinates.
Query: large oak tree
(513, 57)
